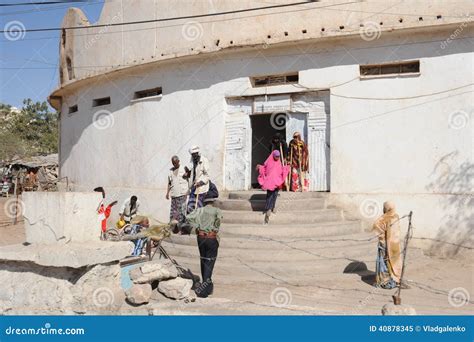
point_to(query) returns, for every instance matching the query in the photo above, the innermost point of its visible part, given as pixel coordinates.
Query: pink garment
(272, 173)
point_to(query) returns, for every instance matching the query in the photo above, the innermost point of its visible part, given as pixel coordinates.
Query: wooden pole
(397, 300)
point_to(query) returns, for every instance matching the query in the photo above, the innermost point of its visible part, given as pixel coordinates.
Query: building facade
(381, 91)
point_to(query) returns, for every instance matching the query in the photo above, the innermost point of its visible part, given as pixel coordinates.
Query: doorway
(262, 134)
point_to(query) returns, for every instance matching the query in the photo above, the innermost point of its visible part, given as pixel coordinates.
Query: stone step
(293, 231)
(285, 255)
(260, 195)
(293, 217)
(269, 244)
(282, 204)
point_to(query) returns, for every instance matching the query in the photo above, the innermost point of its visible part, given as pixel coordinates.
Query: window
(101, 102)
(73, 109)
(147, 93)
(264, 81)
(410, 67)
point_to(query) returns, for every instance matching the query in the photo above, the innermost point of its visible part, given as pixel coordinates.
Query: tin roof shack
(34, 173)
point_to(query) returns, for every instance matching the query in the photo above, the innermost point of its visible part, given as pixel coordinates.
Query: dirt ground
(316, 284)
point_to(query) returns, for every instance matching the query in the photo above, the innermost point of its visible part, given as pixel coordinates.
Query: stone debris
(154, 271)
(398, 310)
(139, 294)
(178, 288)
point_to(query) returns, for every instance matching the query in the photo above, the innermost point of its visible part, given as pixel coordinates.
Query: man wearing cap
(206, 221)
(198, 179)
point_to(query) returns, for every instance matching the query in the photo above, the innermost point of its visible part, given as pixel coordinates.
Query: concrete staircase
(286, 251)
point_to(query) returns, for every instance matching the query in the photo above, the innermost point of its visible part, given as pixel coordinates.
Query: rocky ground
(269, 271)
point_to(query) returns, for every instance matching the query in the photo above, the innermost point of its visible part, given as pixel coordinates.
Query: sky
(29, 60)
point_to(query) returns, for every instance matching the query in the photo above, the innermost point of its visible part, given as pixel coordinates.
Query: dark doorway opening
(262, 133)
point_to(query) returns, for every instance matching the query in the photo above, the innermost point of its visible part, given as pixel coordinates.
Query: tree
(32, 131)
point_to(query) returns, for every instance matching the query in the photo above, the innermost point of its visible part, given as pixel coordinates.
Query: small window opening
(148, 93)
(264, 81)
(73, 109)
(390, 68)
(101, 102)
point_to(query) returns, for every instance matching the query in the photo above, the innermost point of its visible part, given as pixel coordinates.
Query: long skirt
(178, 208)
(382, 275)
(271, 199)
(195, 200)
(296, 181)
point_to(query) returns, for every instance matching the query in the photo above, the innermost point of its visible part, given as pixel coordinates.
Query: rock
(177, 288)
(398, 310)
(139, 294)
(153, 271)
(74, 254)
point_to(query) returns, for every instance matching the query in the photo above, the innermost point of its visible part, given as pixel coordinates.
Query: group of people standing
(285, 168)
(192, 197)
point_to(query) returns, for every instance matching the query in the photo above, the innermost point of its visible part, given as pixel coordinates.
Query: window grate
(390, 68)
(271, 80)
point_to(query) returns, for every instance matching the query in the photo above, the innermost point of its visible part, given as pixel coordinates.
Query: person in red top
(103, 211)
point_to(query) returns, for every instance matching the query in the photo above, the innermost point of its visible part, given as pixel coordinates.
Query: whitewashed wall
(387, 135)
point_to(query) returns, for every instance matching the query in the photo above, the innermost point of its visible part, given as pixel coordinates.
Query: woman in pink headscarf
(272, 175)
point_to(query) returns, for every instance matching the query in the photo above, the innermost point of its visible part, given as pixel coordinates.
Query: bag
(212, 192)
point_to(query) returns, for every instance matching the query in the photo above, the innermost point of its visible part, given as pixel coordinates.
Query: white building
(381, 89)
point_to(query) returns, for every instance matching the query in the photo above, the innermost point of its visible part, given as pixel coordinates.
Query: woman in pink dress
(272, 175)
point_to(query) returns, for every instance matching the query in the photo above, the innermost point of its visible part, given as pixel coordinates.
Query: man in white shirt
(129, 209)
(178, 188)
(198, 178)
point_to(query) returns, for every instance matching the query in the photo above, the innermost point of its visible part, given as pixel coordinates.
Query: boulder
(177, 288)
(139, 294)
(153, 271)
(398, 310)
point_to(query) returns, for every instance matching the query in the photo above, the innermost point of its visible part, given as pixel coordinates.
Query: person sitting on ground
(129, 209)
(272, 175)
(103, 211)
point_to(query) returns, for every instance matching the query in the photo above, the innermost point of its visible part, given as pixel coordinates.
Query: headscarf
(272, 173)
(388, 228)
